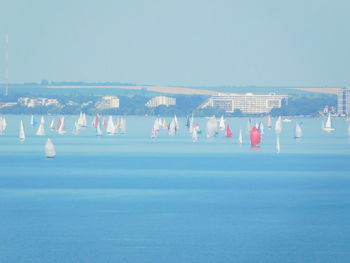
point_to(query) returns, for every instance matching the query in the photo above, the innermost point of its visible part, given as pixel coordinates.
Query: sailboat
(52, 124)
(212, 127)
(76, 128)
(197, 128)
(269, 122)
(297, 131)
(172, 127)
(165, 124)
(61, 129)
(154, 133)
(2, 126)
(278, 125)
(278, 149)
(122, 126)
(261, 127)
(222, 123)
(110, 126)
(32, 121)
(156, 125)
(50, 151)
(328, 126)
(41, 129)
(255, 137)
(96, 120)
(22, 135)
(228, 131)
(240, 138)
(99, 130)
(176, 123)
(191, 124)
(194, 135)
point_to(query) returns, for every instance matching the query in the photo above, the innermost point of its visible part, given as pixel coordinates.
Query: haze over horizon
(180, 43)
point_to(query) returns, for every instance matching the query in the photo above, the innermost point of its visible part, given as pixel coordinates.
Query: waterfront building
(343, 102)
(160, 100)
(35, 102)
(108, 102)
(248, 103)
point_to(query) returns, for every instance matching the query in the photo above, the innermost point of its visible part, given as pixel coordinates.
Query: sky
(179, 42)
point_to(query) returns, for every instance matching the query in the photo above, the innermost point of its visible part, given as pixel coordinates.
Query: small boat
(41, 129)
(172, 129)
(76, 128)
(269, 122)
(154, 133)
(297, 131)
(222, 123)
(110, 126)
(240, 138)
(96, 121)
(278, 149)
(278, 126)
(212, 127)
(61, 129)
(194, 135)
(98, 130)
(328, 126)
(22, 135)
(52, 124)
(255, 137)
(228, 131)
(32, 121)
(261, 127)
(197, 128)
(50, 151)
(176, 123)
(156, 125)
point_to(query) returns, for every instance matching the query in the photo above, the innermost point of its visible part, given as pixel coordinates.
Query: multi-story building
(35, 102)
(247, 103)
(344, 102)
(108, 102)
(161, 100)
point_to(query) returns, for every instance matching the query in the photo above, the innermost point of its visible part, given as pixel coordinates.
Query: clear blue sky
(178, 42)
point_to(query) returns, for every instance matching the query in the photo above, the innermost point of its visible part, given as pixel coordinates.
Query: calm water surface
(127, 198)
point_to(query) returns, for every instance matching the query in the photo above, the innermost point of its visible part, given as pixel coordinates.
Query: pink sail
(228, 131)
(255, 136)
(59, 124)
(96, 121)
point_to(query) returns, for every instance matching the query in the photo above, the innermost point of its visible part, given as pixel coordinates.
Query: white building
(161, 100)
(108, 102)
(247, 103)
(344, 102)
(35, 102)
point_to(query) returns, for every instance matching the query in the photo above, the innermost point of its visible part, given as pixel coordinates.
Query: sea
(128, 198)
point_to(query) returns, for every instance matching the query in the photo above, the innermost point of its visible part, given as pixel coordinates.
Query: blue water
(128, 199)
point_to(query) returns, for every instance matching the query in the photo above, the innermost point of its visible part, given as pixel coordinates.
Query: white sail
(22, 135)
(41, 129)
(297, 131)
(240, 138)
(222, 123)
(261, 127)
(110, 126)
(52, 124)
(194, 135)
(269, 122)
(99, 130)
(172, 127)
(176, 123)
(84, 120)
(42, 120)
(76, 128)
(278, 125)
(50, 151)
(278, 148)
(211, 127)
(2, 130)
(328, 126)
(61, 129)
(122, 126)
(32, 121)
(156, 125)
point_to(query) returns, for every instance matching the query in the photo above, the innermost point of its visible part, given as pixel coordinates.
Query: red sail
(59, 124)
(228, 131)
(255, 136)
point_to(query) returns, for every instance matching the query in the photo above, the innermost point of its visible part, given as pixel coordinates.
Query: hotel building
(248, 103)
(160, 100)
(344, 102)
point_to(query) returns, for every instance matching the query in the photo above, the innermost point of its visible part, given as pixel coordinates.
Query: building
(248, 103)
(108, 102)
(343, 106)
(161, 100)
(36, 102)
